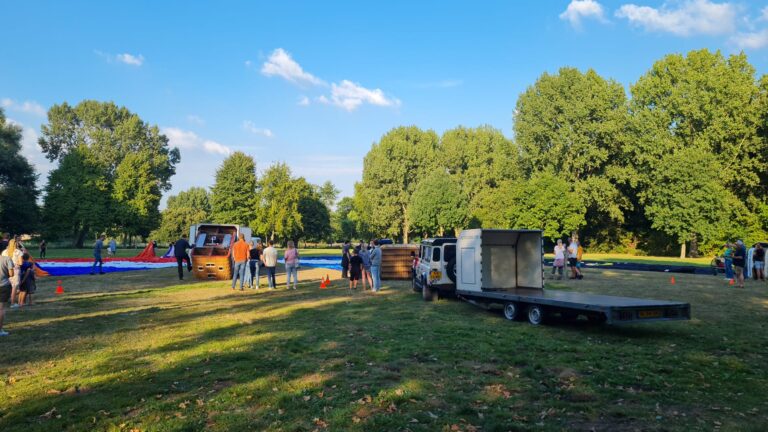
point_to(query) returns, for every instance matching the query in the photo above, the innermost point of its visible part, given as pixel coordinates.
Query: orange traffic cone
(322, 284)
(327, 280)
(59, 288)
(730, 282)
(672, 280)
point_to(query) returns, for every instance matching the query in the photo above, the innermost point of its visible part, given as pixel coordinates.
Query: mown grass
(141, 351)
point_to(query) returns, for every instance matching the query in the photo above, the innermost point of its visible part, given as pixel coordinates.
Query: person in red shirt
(240, 252)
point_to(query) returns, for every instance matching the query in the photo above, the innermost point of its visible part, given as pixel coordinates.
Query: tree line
(680, 161)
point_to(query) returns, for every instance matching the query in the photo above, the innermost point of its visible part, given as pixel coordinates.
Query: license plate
(650, 314)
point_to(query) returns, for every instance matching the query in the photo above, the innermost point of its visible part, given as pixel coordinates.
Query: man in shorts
(739, 260)
(6, 273)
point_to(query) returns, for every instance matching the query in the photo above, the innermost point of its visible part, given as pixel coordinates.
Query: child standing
(559, 263)
(355, 269)
(27, 283)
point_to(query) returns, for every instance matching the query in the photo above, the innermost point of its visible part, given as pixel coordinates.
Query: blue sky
(314, 84)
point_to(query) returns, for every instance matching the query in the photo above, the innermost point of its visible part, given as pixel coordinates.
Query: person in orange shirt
(240, 252)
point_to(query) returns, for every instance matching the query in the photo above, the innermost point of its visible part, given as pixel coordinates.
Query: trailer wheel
(535, 315)
(427, 293)
(510, 311)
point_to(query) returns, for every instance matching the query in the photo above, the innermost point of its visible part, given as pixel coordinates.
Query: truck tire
(427, 293)
(450, 270)
(414, 285)
(535, 314)
(511, 311)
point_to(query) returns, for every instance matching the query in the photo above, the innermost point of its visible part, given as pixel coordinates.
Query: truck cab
(435, 273)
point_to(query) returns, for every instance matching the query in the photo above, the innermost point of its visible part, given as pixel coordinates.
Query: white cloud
(578, 10)
(29, 107)
(32, 151)
(214, 147)
(688, 18)
(350, 96)
(754, 40)
(196, 120)
(189, 140)
(130, 59)
(248, 63)
(303, 101)
(763, 14)
(251, 127)
(281, 64)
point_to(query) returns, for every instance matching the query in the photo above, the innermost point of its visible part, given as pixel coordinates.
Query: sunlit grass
(142, 351)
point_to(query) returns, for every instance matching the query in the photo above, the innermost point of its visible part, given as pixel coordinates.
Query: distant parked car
(385, 242)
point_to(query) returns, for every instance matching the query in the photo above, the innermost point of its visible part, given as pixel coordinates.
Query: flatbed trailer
(506, 268)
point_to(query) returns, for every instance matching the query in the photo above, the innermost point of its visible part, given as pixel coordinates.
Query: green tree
(77, 197)
(234, 193)
(18, 194)
(481, 159)
(546, 202)
(344, 227)
(688, 201)
(575, 125)
(136, 194)
(277, 207)
(328, 194)
(315, 215)
(182, 211)
(706, 102)
(391, 170)
(130, 153)
(438, 205)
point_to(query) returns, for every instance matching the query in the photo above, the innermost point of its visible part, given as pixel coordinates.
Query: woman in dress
(291, 265)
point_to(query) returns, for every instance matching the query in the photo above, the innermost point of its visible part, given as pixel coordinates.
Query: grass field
(141, 351)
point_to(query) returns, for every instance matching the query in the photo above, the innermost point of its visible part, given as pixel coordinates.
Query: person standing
(366, 257)
(355, 269)
(13, 251)
(573, 255)
(270, 262)
(759, 262)
(27, 283)
(180, 252)
(559, 263)
(376, 265)
(97, 248)
(6, 274)
(112, 249)
(728, 261)
(345, 259)
(739, 260)
(255, 263)
(240, 253)
(291, 265)
(43, 248)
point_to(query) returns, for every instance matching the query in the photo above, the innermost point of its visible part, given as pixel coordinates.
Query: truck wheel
(427, 293)
(450, 270)
(510, 311)
(414, 285)
(535, 315)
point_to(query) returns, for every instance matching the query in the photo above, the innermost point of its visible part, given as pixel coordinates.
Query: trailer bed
(614, 310)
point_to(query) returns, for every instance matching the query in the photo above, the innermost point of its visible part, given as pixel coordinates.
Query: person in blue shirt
(27, 281)
(97, 248)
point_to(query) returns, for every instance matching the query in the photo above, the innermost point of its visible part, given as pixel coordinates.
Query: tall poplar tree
(234, 193)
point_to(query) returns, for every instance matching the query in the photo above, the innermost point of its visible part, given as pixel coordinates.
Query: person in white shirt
(573, 255)
(559, 263)
(269, 257)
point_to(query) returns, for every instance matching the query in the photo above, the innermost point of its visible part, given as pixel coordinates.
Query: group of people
(573, 253)
(249, 258)
(362, 262)
(736, 257)
(17, 276)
